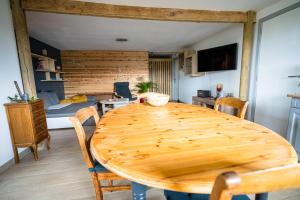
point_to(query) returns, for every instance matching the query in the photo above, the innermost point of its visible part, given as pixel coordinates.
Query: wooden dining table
(184, 147)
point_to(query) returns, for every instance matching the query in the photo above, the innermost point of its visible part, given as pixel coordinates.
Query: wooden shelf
(45, 70)
(41, 57)
(53, 80)
(191, 64)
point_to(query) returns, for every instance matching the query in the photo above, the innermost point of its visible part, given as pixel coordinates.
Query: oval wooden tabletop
(184, 147)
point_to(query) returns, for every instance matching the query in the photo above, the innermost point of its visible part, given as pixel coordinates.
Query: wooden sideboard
(28, 126)
(293, 131)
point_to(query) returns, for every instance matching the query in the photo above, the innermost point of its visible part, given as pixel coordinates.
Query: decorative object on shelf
(25, 97)
(18, 88)
(21, 98)
(219, 89)
(44, 52)
(40, 65)
(46, 63)
(16, 99)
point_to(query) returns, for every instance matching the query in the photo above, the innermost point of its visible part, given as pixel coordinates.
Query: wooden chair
(230, 183)
(97, 171)
(233, 102)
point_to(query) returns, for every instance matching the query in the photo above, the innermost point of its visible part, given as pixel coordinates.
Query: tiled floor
(61, 174)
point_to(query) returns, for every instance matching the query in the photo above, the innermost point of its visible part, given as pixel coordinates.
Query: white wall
(188, 86)
(9, 72)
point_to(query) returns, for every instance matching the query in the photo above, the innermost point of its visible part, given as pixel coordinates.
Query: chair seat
(170, 195)
(98, 167)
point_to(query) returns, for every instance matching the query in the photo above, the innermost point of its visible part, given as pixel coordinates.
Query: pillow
(75, 99)
(53, 98)
(44, 96)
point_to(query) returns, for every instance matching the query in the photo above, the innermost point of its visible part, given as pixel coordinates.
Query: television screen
(218, 58)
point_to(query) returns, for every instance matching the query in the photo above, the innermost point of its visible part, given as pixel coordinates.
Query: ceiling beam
(133, 12)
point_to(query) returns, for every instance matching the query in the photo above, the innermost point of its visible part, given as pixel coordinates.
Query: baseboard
(11, 162)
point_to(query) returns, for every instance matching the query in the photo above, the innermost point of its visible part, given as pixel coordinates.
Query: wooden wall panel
(96, 71)
(161, 74)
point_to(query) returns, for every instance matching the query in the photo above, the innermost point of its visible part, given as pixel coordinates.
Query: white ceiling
(234, 5)
(97, 33)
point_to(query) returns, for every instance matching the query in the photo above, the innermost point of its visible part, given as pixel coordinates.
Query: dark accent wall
(58, 87)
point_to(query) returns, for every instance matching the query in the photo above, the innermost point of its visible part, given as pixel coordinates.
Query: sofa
(58, 114)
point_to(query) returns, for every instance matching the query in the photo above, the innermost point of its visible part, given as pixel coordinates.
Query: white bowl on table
(157, 99)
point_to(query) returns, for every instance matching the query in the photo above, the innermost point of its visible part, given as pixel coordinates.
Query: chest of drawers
(28, 126)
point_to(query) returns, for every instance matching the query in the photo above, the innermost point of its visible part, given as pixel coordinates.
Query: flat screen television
(218, 58)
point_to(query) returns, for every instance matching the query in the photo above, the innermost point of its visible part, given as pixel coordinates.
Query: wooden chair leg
(35, 151)
(110, 184)
(97, 186)
(48, 141)
(16, 154)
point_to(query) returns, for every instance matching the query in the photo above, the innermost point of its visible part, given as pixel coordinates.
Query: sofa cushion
(44, 96)
(69, 110)
(53, 98)
(50, 98)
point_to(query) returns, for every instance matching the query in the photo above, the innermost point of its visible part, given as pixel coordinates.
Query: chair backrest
(230, 183)
(80, 117)
(122, 89)
(240, 105)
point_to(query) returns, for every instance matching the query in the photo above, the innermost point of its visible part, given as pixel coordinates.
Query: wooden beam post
(246, 54)
(23, 45)
(133, 12)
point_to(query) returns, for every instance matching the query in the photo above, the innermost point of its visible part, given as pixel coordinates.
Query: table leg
(138, 191)
(103, 108)
(261, 196)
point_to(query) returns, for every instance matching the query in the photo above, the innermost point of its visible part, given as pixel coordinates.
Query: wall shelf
(49, 67)
(53, 80)
(44, 70)
(59, 77)
(41, 57)
(47, 63)
(191, 64)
